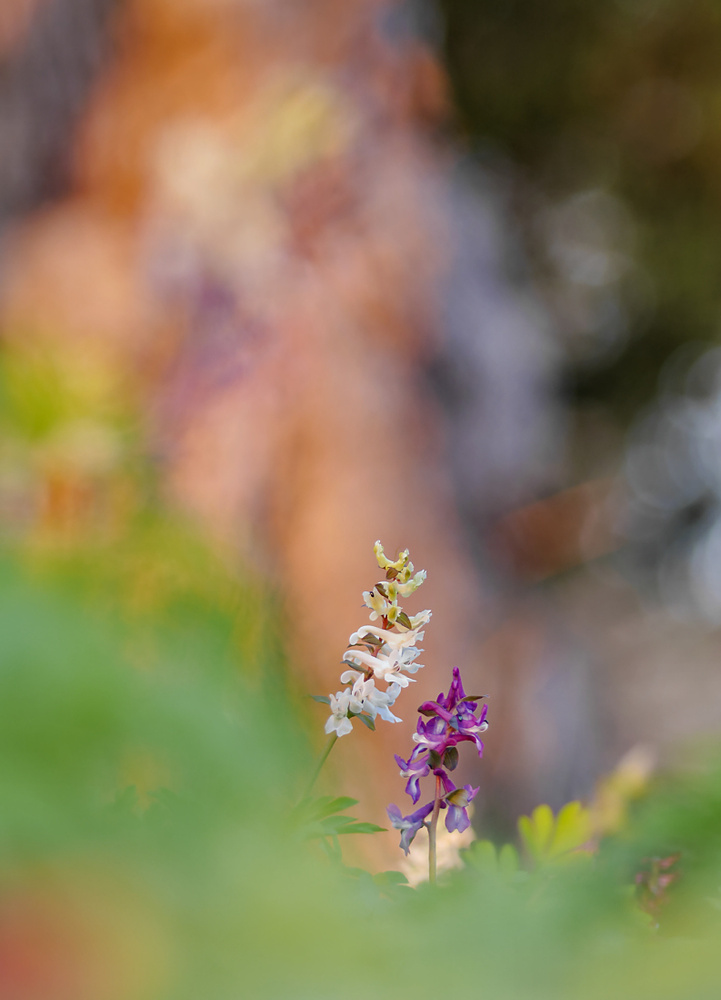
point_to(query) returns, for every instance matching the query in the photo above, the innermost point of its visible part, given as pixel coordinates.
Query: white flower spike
(383, 653)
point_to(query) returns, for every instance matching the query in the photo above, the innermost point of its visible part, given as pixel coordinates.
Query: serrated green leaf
(573, 829)
(549, 839)
(536, 831)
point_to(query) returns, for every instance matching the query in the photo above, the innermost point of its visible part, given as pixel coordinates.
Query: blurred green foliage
(146, 812)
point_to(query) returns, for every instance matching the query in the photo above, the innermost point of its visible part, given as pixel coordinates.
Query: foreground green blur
(152, 754)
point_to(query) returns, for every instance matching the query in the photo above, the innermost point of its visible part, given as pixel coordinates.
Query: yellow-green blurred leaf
(547, 838)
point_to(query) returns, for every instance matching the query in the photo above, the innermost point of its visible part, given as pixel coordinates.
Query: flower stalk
(332, 740)
(433, 833)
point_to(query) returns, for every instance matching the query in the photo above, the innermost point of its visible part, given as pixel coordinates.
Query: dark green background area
(561, 89)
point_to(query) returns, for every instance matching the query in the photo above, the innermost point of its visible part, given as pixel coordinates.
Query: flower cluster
(383, 653)
(452, 719)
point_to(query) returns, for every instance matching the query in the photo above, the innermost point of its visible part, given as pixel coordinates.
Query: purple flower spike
(444, 724)
(456, 693)
(408, 825)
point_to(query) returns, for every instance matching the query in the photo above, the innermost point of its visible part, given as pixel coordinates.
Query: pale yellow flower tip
(398, 564)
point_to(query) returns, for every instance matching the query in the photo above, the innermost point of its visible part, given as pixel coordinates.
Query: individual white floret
(383, 667)
(338, 722)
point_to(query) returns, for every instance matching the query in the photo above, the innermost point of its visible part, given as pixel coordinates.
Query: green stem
(323, 758)
(432, 834)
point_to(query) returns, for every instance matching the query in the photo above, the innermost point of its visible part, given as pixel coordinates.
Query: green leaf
(331, 846)
(390, 878)
(481, 855)
(536, 831)
(391, 885)
(485, 857)
(508, 861)
(362, 828)
(369, 640)
(573, 829)
(320, 697)
(335, 824)
(404, 620)
(549, 839)
(450, 758)
(336, 804)
(367, 721)
(352, 872)
(326, 805)
(320, 818)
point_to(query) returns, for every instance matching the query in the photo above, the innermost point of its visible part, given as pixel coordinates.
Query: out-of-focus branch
(45, 76)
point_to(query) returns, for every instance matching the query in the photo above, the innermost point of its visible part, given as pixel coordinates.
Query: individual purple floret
(409, 825)
(450, 720)
(415, 768)
(457, 816)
